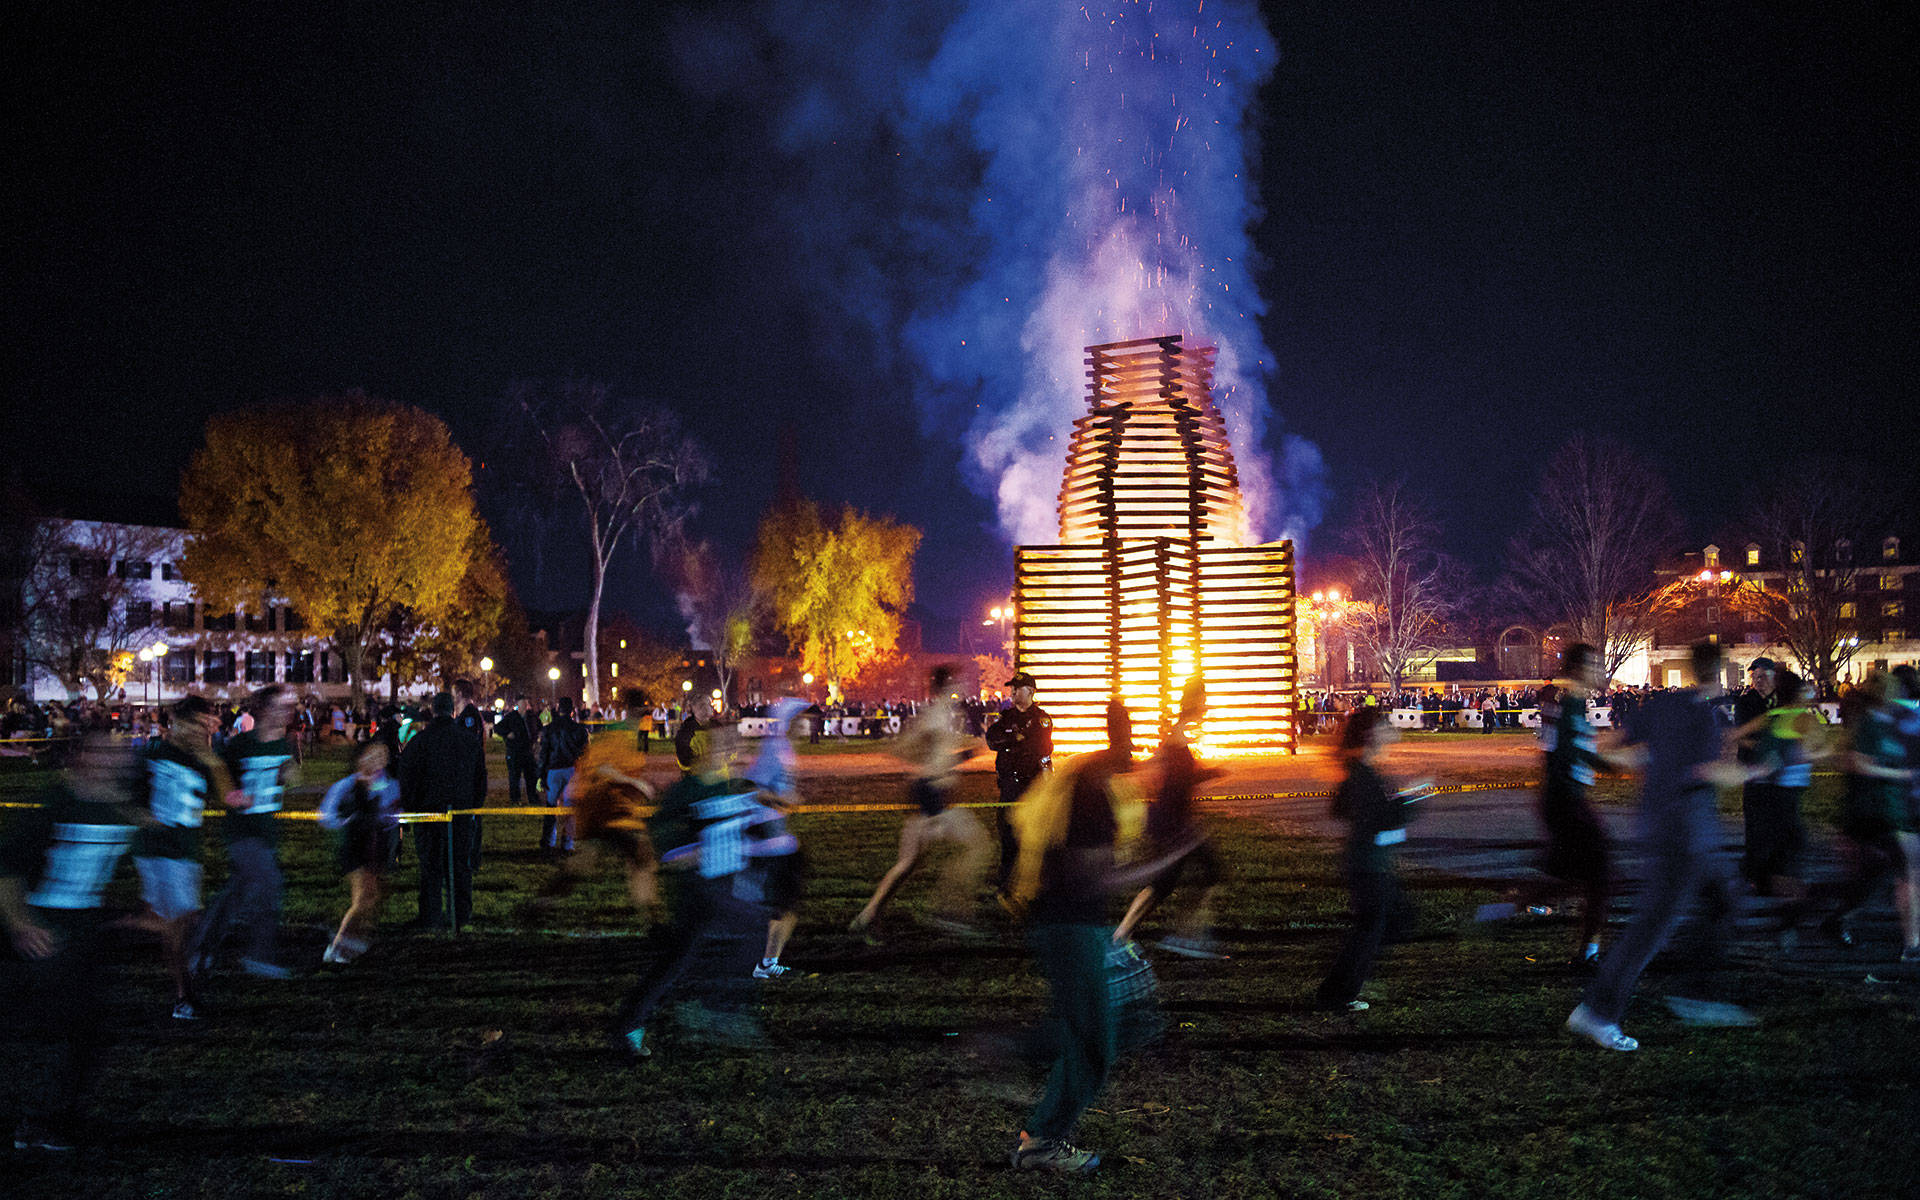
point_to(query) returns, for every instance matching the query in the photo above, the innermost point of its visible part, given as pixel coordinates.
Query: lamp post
(146, 656)
(486, 672)
(553, 680)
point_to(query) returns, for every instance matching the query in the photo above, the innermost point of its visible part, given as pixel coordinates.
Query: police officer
(1022, 742)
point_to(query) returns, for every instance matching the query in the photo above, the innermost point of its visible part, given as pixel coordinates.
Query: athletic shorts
(170, 886)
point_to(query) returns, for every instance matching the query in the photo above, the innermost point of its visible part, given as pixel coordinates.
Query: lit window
(1798, 553)
(615, 668)
(1892, 608)
(1890, 549)
(1889, 583)
(1894, 635)
(1849, 610)
(1713, 556)
(1753, 555)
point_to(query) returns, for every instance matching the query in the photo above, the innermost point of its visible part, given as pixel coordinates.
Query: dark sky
(1487, 227)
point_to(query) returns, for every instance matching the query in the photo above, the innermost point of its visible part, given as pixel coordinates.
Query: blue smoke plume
(987, 190)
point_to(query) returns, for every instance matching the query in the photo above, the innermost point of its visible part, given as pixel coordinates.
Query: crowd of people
(1069, 838)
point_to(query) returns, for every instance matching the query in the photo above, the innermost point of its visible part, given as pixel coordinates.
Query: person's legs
(673, 948)
(363, 902)
(1073, 958)
(961, 879)
(1009, 838)
(256, 869)
(1907, 895)
(513, 780)
(466, 843)
(64, 1009)
(1672, 881)
(1373, 898)
(912, 845)
(430, 853)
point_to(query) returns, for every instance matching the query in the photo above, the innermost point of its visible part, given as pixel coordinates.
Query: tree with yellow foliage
(835, 588)
(348, 507)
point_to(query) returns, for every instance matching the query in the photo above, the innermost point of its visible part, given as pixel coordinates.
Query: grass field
(476, 1066)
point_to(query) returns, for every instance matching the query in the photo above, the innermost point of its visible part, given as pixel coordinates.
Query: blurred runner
(934, 745)
(1376, 817)
(363, 808)
(1683, 736)
(1171, 822)
(55, 864)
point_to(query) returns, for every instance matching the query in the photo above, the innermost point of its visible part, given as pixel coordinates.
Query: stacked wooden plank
(1152, 579)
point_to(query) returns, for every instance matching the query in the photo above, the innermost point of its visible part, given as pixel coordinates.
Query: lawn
(476, 1066)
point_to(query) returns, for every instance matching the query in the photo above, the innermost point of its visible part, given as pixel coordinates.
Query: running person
(784, 874)
(1376, 817)
(364, 809)
(933, 744)
(702, 829)
(1682, 733)
(174, 784)
(1578, 850)
(1171, 822)
(1876, 826)
(261, 760)
(55, 864)
(608, 799)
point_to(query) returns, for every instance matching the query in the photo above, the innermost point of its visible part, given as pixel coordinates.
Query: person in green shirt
(261, 761)
(1875, 819)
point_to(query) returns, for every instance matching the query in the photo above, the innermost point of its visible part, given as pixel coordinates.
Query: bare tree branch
(1602, 520)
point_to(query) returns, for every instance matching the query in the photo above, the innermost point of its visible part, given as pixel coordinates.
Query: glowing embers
(1152, 582)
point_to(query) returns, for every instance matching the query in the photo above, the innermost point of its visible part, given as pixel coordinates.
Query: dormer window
(1712, 554)
(1753, 554)
(1890, 550)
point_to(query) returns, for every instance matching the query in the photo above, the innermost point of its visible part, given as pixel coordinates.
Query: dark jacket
(443, 768)
(562, 744)
(1022, 743)
(518, 730)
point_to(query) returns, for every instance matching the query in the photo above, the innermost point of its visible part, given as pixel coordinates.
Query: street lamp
(146, 656)
(159, 651)
(553, 679)
(486, 670)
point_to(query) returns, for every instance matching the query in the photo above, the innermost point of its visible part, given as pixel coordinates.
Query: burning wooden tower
(1153, 581)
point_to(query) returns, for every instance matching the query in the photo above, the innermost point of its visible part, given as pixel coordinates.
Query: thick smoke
(990, 191)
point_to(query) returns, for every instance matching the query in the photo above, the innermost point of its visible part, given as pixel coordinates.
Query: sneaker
(186, 1010)
(1192, 947)
(1584, 1022)
(770, 969)
(1836, 931)
(333, 957)
(1710, 1014)
(264, 970)
(1357, 1006)
(636, 1043)
(1043, 1154)
(1587, 958)
(30, 1135)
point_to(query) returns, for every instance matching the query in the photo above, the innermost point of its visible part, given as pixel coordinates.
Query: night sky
(1487, 228)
